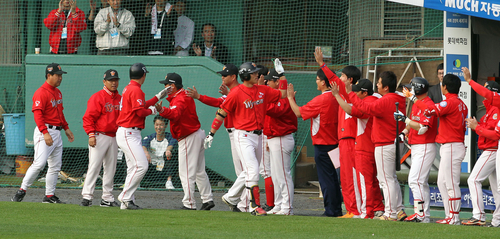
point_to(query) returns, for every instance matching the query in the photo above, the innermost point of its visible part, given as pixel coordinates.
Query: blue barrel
(14, 134)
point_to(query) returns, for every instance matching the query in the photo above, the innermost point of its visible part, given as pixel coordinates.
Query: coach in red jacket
(65, 25)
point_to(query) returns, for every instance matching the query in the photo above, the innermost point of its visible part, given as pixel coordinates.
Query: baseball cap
(172, 78)
(54, 68)
(363, 85)
(273, 75)
(492, 85)
(229, 69)
(111, 74)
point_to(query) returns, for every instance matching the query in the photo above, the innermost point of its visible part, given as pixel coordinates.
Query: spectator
(163, 23)
(435, 92)
(113, 26)
(210, 47)
(185, 30)
(65, 25)
(90, 20)
(157, 146)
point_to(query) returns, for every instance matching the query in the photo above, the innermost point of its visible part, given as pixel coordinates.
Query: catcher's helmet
(137, 70)
(492, 85)
(419, 84)
(246, 69)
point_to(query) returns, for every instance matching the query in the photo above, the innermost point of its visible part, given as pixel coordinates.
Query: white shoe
(275, 210)
(288, 213)
(426, 220)
(356, 216)
(169, 185)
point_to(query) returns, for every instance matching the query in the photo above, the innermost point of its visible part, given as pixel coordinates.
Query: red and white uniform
(452, 113)
(383, 136)
(48, 110)
(185, 127)
(74, 24)
(99, 121)
(368, 185)
(282, 123)
(423, 152)
(485, 165)
(133, 112)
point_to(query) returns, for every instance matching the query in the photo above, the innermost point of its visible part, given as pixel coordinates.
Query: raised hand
(318, 55)
(466, 72)
(335, 89)
(193, 93)
(61, 6)
(72, 3)
(223, 89)
(278, 66)
(92, 5)
(197, 49)
(290, 93)
(471, 122)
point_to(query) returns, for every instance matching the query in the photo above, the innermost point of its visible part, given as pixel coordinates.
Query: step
(305, 172)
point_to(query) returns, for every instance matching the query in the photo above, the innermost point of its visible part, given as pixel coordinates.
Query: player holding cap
(49, 118)
(248, 103)
(134, 110)
(421, 131)
(185, 127)
(99, 122)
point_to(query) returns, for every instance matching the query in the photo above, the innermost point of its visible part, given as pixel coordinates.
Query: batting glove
(153, 109)
(398, 116)
(402, 137)
(278, 67)
(164, 93)
(208, 140)
(409, 94)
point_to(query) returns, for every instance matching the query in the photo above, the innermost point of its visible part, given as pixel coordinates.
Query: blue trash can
(14, 133)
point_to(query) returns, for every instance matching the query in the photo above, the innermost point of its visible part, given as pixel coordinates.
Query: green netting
(374, 35)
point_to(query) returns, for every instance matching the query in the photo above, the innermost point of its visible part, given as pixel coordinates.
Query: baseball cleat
(491, 225)
(207, 206)
(287, 213)
(86, 203)
(385, 218)
(347, 215)
(105, 203)
(232, 207)
(402, 215)
(473, 222)
(259, 212)
(267, 208)
(187, 208)
(449, 221)
(378, 213)
(52, 199)
(130, 205)
(19, 196)
(414, 218)
(275, 210)
(169, 185)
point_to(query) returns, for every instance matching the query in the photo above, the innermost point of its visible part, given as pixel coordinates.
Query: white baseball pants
(422, 157)
(192, 169)
(236, 192)
(281, 149)
(385, 159)
(264, 160)
(452, 155)
(129, 140)
(45, 154)
(484, 168)
(104, 154)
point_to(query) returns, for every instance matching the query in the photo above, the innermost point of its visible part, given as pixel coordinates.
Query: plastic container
(14, 134)
(22, 165)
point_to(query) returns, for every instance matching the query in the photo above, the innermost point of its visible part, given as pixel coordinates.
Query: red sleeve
(52, 20)
(143, 112)
(488, 133)
(332, 77)
(91, 115)
(78, 21)
(358, 114)
(40, 121)
(175, 110)
(151, 101)
(369, 108)
(274, 95)
(482, 91)
(278, 109)
(229, 104)
(311, 109)
(214, 102)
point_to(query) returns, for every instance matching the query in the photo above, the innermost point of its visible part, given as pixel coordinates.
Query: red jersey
(323, 111)
(280, 119)
(103, 109)
(418, 116)
(248, 105)
(364, 127)
(217, 102)
(347, 124)
(133, 107)
(382, 110)
(182, 115)
(48, 108)
(488, 94)
(488, 139)
(74, 23)
(452, 113)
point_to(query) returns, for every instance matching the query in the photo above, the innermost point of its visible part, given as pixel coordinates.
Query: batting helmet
(419, 84)
(137, 70)
(246, 69)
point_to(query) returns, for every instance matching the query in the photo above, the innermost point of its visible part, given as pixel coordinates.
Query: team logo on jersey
(37, 103)
(443, 104)
(53, 102)
(139, 101)
(109, 107)
(498, 125)
(279, 104)
(261, 94)
(173, 107)
(249, 104)
(495, 116)
(60, 96)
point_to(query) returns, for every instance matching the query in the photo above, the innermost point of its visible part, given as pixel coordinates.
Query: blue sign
(437, 199)
(457, 20)
(489, 9)
(454, 64)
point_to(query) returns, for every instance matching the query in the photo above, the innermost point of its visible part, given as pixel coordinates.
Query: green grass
(36, 220)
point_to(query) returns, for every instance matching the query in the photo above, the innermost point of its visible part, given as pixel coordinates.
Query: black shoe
(130, 205)
(207, 206)
(236, 209)
(86, 203)
(105, 203)
(52, 199)
(19, 196)
(267, 208)
(232, 207)
(187, 208)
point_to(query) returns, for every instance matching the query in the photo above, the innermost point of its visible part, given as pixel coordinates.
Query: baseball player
(99, 122)
(49, 118)
(185, 127)
(248, 103)
(134, 110)
(280, 124)
(452, 113)
(421, 131)
(383, 137)
(370, 199)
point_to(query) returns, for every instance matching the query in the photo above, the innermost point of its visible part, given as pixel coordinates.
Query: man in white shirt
(185, 30)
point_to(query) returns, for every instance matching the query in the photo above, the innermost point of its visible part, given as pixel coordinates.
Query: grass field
(37, 220)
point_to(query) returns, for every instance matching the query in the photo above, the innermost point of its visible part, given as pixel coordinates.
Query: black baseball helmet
(492, 85)
(137, 70)
(419, 84)
(246, 69)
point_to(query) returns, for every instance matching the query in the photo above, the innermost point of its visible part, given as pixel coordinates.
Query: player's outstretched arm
(210, 101)
(291, 99)
(344, 105)
(219, 118)
(283, 84)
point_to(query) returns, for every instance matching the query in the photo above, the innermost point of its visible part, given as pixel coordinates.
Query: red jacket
(280, 119)
(102, 112)
(323, 111)
(75, 24)
(133, 109)
(488, 139)
(48, 108)
(364, 127)
(182, 115)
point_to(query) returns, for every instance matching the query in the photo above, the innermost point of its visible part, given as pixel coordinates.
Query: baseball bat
(398, 165)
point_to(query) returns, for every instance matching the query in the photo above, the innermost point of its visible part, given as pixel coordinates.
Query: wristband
(405, 131)
(283, 84)
(216, 124)
(407, 120)
(91, 135)
(211, 134)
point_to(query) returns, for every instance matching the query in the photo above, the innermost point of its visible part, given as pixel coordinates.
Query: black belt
(257, 132)
(54, 127)
(136, 128)
(229, 130)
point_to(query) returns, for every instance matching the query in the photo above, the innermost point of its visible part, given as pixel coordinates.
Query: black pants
(328, 180)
